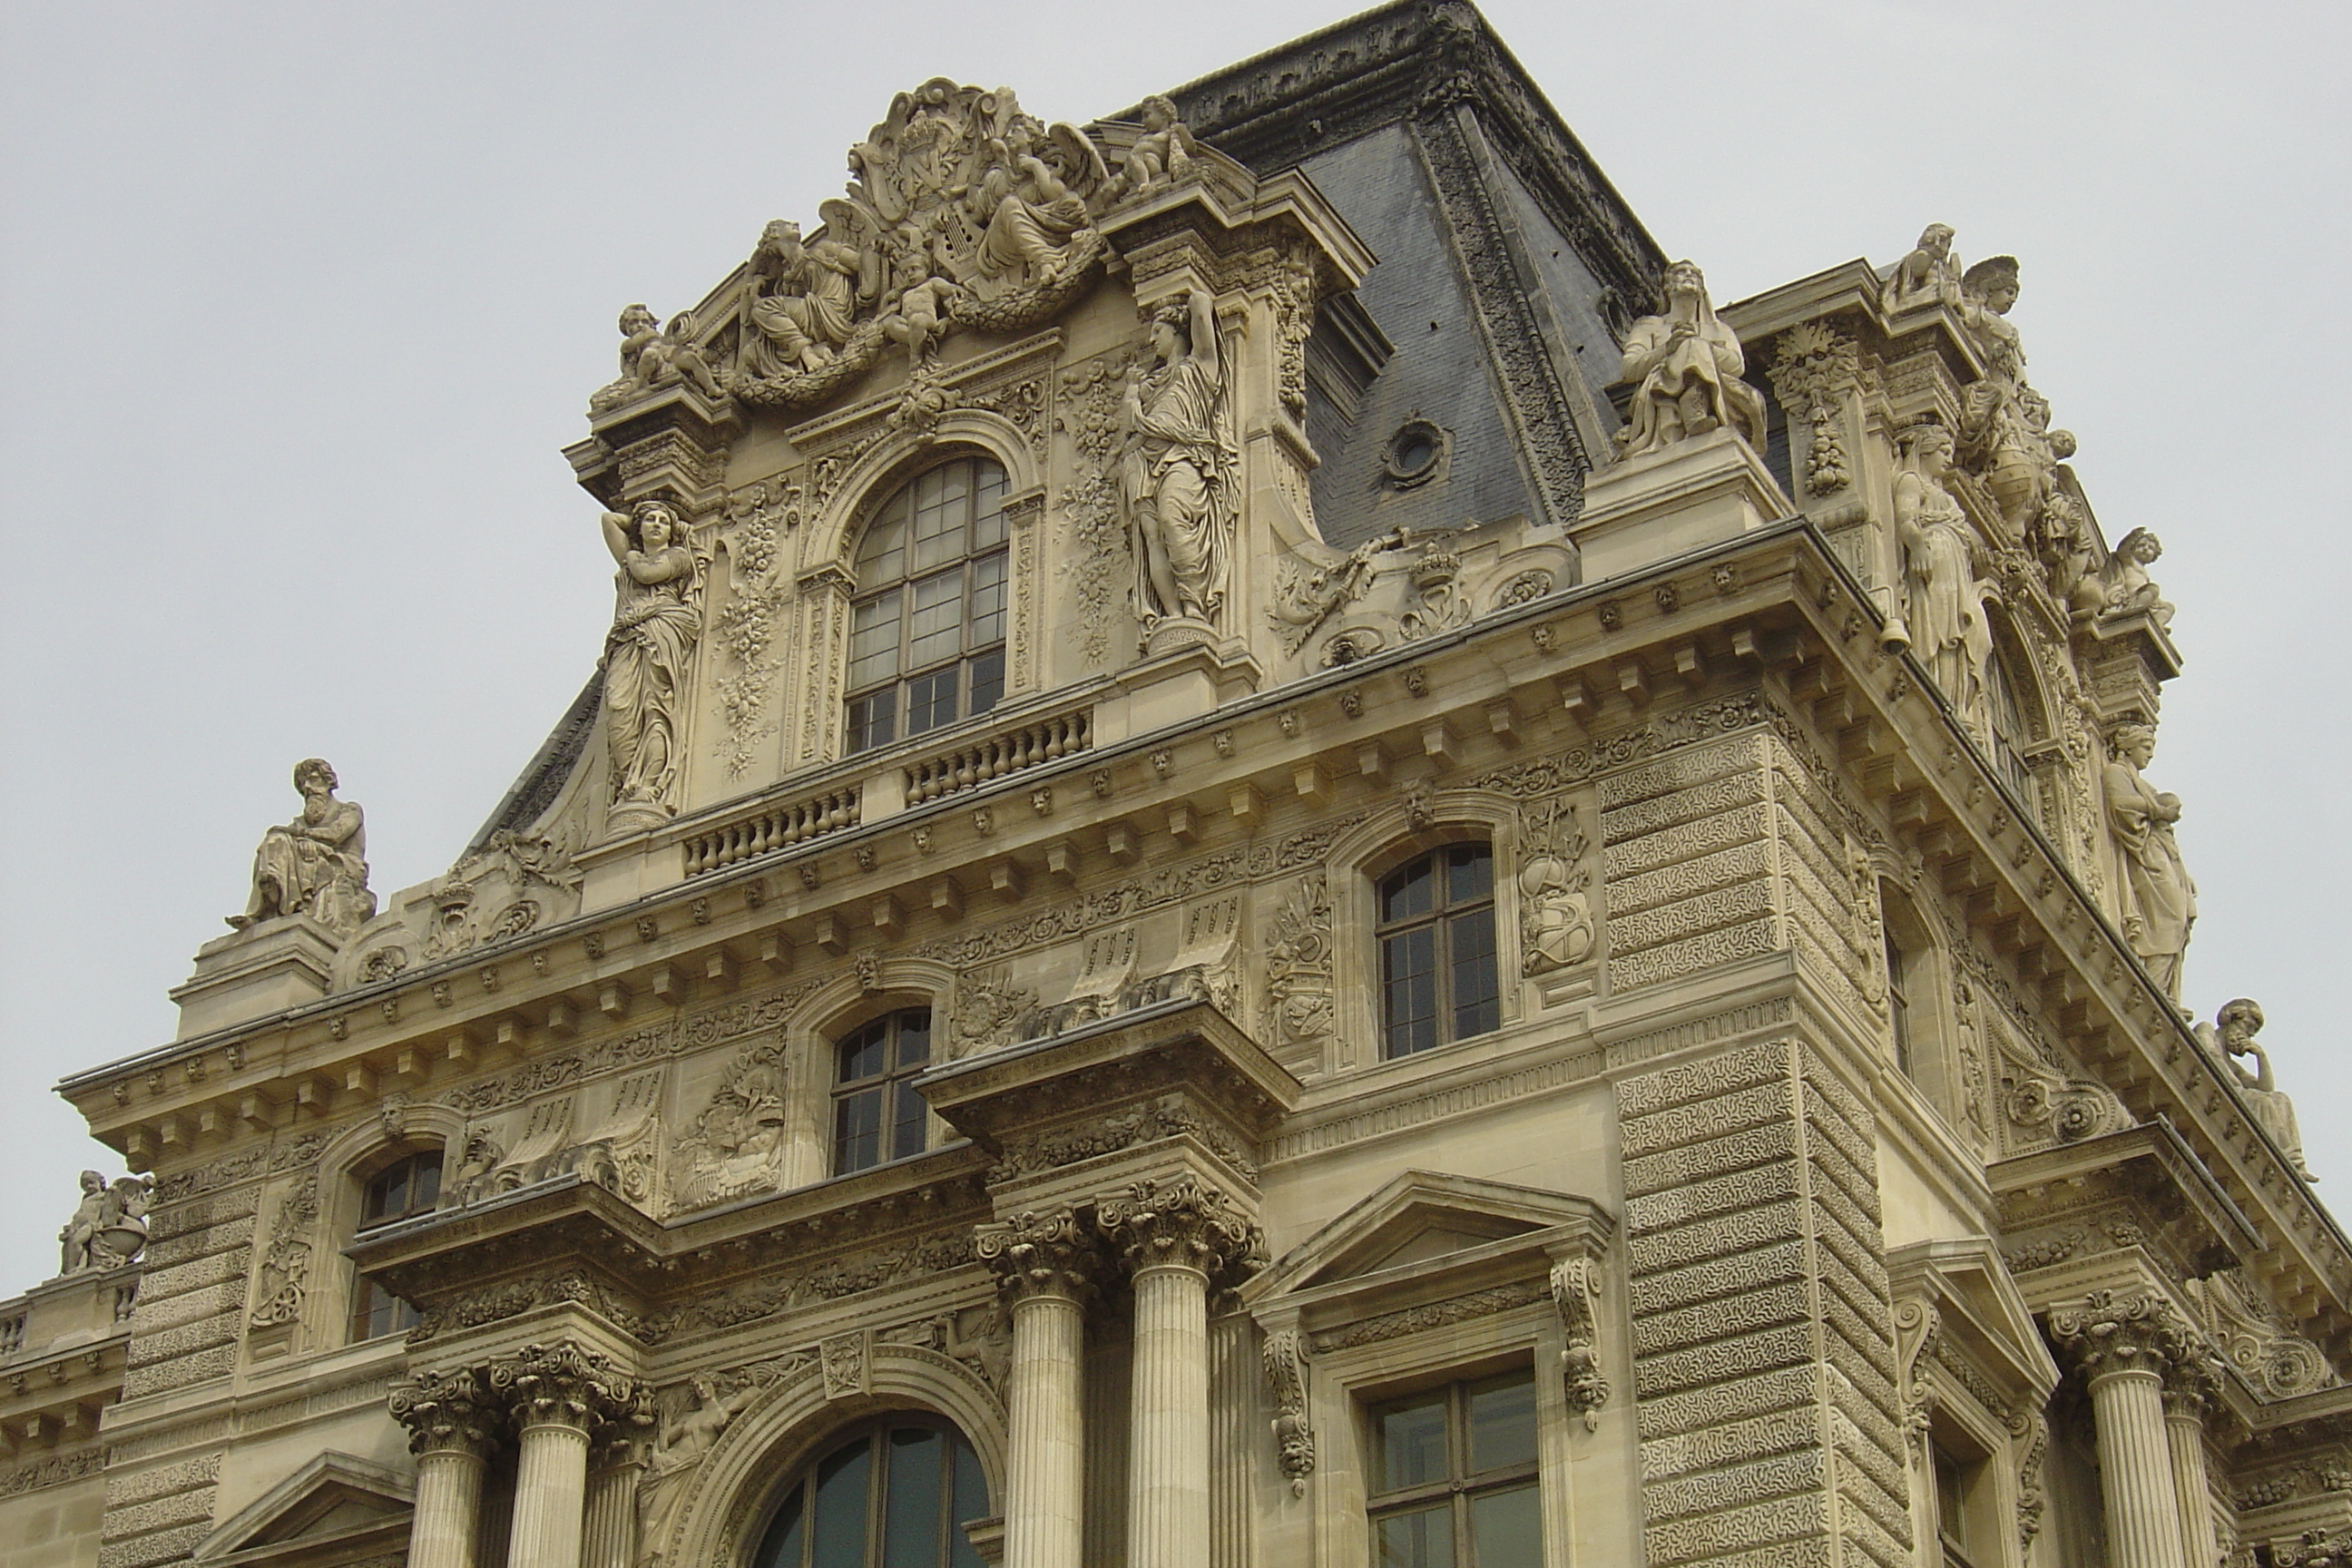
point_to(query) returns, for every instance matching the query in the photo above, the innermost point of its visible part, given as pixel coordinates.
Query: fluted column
(1175, 1236)
(1041, 1263)
(2190, 1387)
(560, 1396)
(2124, 1345)
(451, 1426)
(610, 1536)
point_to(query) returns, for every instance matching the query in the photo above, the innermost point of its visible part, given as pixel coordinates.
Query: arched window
(2011, 734)
(927, 627)
(409, 1186)
(1915, 1014)
(1436, 933)
(876, 1114)
(897, 1495)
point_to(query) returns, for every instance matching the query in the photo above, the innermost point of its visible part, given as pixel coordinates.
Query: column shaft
(1168, 1467)
(610, 1531)
(551, 1494)
(2135, 1469)
(448, 1509)
(1044, 1481)
(2184, 1429)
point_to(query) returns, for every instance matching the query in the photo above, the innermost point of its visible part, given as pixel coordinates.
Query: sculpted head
(2134, 743)
(1159, 112)
(2239, 1020)
(2140, 545)
(312, 775)
(92, 1182)
(780, 237)
(1994, 281)
(657, 526)
(1685, 277)
(636, 319)
(1172, 329)
(1936, 239)
(1928, 447)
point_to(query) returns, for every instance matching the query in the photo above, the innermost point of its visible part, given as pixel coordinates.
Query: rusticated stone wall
(1686, 849)
(1764, 1353)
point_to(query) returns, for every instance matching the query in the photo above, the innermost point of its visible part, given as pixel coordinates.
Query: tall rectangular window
(1454, 1478)
(1439, 977)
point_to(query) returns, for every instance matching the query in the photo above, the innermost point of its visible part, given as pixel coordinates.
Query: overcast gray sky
(307, 296)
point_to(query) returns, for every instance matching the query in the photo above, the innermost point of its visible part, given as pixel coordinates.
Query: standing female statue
(1945, 613)
(2159, 901)
(648, 653)
(1175, 469)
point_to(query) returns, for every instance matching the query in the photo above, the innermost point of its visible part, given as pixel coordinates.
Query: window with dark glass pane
(895, 1495)
(926, 626)
(1898, 1000)
(1454, 1478)
(1439, 976)
(877, 1113)
(404, 1189)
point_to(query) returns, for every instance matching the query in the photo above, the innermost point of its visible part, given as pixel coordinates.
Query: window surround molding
(728, 1497)
(824, 1018)
(828, 548)
(1355, 861)
(344, 1165)
(1344, 1327)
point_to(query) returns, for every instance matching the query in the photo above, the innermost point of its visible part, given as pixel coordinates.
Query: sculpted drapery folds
(1944, 592)
(1176, 469)
(2159, 901)
(648, 653)
(316, 864)
(801, 303)
(1686, 367)
(2231, 1037)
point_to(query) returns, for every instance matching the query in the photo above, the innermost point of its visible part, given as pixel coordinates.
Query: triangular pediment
(333, 1506)
(1418, 1219)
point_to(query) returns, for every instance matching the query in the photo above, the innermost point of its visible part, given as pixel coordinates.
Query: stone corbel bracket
(1576, 1295)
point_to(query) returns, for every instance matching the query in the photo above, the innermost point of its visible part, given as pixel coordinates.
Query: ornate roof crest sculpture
(960, 211)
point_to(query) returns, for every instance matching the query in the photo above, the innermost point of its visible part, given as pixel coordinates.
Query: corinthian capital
(561, 1384)
(1037, 1254)
(447, 1412)
(1181, 1223)
(2115, 1332)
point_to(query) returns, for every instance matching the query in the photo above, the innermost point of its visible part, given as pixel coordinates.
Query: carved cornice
(563, 1385)
(1181, 1224)
(1035, 1255)
(448, 1413)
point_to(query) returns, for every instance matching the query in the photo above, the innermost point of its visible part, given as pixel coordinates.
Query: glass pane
(914, 1038)
(1506, 1528)
(862, 1054)
(857, 1131)
(1478, 1000)
(1502, 1422)
(987, 600)
(1412, 1442)
(874, 641)
(870, 720)
(1407, 893)
(988, 503)
(935, 629)
(1424, 1539)
(878, 554)
(1409, 990)
(931, 700)
(971, 1502)
(1469, 873)
(426, 1184)
(910, 1499)
(907, 1112)
(840, 1533)
(987, 681)
(780, 1547)
(942, 503)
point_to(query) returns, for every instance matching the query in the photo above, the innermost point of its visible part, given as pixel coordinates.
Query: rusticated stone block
(1760, 1481)
(1740, 864)
(1723, 1361)
(1621, 823)
(1717, 1157)
(148, 1551)
(1744, 1310)
(219, 1267)
(1704, 1538)
(162, 1376)
(1723, 1073)
(1705, 1281)
(148, 1349)
(1709, 1200)
(167, 1253)
(155, 1316)
(159, 1513)
(1692, 1412)
(1621, 863)
(1685, 769)
(1764, 1104)
(170, 1222)
(1697, 1245)
(1691, 917)
(1677, 959)
(1731, 1443)
(137, 1486)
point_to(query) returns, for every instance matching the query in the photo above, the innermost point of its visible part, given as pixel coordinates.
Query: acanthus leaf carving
(1286, 1357)
(1576, 1296)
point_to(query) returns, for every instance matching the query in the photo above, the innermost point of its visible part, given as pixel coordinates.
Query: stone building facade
(1275, 859)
